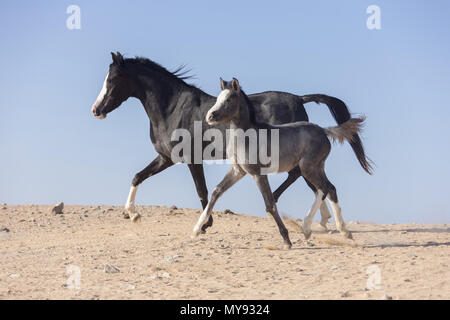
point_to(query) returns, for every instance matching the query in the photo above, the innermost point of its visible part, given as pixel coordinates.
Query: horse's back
(276, 107)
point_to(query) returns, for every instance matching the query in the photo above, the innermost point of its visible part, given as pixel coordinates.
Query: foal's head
(226, 108)
(116, 88)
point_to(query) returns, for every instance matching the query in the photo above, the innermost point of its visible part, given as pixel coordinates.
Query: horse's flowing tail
(341, 114)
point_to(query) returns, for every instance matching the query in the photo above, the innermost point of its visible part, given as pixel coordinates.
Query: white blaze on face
(100, 98)
(223, 96)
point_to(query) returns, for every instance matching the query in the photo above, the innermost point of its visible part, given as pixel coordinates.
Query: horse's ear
(117, 58)
(235, 84)
(222, 84)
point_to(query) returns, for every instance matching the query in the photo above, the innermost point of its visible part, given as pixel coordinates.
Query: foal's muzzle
(211, 117)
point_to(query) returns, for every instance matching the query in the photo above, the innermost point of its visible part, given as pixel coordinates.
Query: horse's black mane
(180, 73)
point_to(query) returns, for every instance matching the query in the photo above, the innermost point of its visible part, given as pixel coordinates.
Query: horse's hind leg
(157, 165)
(264, 187)
(200, 184)
(233, 175)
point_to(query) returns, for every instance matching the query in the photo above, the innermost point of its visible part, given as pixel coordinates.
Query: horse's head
(226, 107)
(116, 88)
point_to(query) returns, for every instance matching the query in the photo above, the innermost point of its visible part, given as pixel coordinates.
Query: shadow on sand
(430, 230)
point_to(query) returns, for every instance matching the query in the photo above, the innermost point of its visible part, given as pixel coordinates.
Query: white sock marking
(310, 216)
(337, 215)
(202, 220)
(131, 198)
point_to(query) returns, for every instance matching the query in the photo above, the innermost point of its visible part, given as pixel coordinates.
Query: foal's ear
(117, 58)
(222, 84)
(235, 84)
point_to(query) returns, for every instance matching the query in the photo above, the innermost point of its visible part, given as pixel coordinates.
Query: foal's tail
(341, 115)
(349, 131)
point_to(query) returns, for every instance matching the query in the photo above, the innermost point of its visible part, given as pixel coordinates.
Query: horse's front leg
(156, 166)
(271, 207)
(200, 184)
(233, 175)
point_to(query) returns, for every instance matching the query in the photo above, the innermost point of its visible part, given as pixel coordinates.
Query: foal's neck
(243, 119)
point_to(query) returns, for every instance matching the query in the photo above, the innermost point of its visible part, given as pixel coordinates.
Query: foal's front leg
(271, 207)
(233, 175)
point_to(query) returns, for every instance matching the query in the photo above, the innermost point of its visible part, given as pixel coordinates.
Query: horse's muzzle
(97, 113)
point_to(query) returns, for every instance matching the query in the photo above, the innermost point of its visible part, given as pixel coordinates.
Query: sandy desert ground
(92, 252)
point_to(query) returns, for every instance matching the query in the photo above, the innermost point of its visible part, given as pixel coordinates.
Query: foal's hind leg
(332, 198)
(314, 174)
(310, 215)
(325, 213)
(156, 166)
(233, 175)
(271, 207)
(293, 175)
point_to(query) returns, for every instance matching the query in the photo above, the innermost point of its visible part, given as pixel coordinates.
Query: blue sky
(52, 149)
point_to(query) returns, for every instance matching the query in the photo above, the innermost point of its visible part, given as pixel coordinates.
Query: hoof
(206, 226)
(196, 232)
(135, 217)
(348, 235)
(287, 246)
(307, 234)
(323, 225)
(309, 243)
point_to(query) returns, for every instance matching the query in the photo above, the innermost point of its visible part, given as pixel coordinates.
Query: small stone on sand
(111, 269)
(58, 209)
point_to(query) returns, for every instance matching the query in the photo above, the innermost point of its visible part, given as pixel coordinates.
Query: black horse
(173, 104)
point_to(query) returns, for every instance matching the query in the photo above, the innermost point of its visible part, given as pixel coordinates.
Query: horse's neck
(157, 98)
(161, 100)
